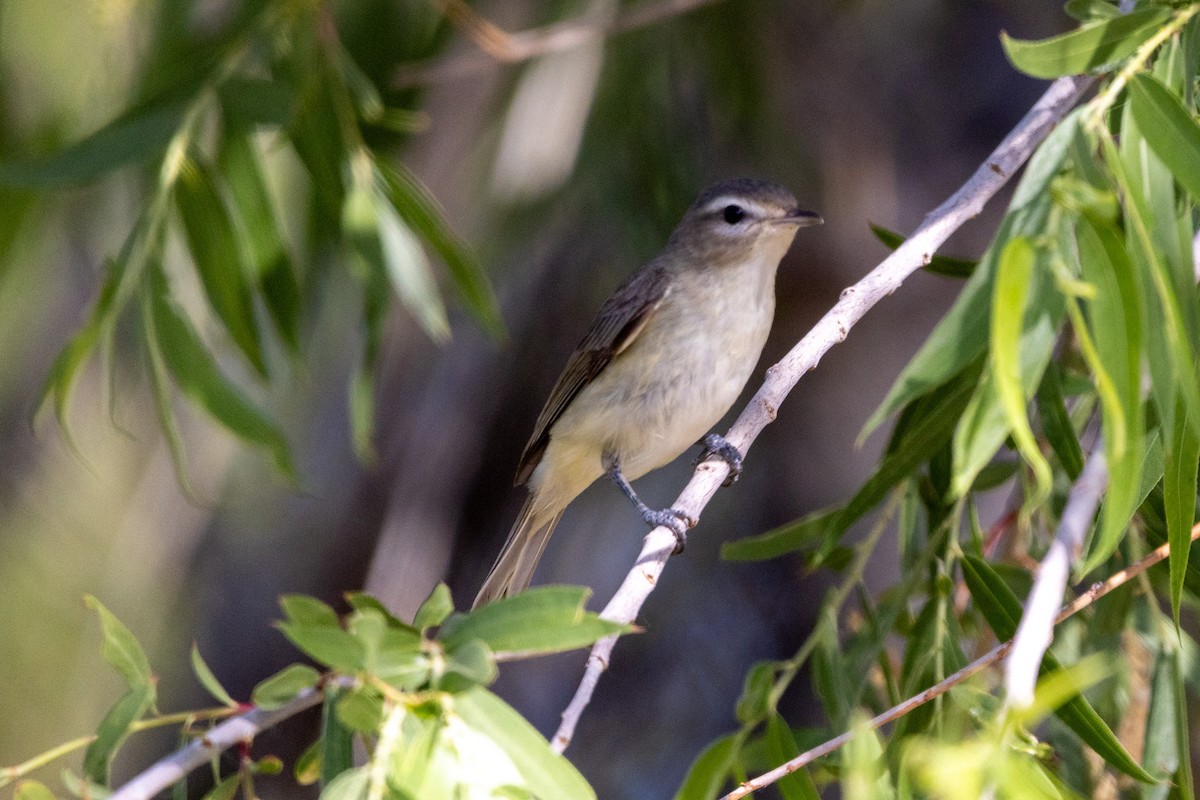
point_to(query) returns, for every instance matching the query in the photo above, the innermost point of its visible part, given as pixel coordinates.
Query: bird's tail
(514, 567)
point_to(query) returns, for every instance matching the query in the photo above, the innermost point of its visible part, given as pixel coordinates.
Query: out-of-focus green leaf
(307, 769)
(710, 771)
(121, 648)
(1014, 279)
(435, 609)
(226, 788)
(788, 538)
(1089, 46)
(1170, 130)
(249, 101)
(546, 773)
(829, 673)
(199, 378)
(32, 790)
(137, 135)
(546, 619)
(1179, 499)
(938, 265)
(337, 741)
(1055, 422)
(421, 212)
(360, 710)
(1090, 10)
(349, 785)
(1162, 724)
(781, 747)
(97, 759)
(1002, 610)
(754, 703)
(305, 610)
(282, 687)
(208, 680)
(211, 240)
(333, 647)
(262, 243)
(469, 664)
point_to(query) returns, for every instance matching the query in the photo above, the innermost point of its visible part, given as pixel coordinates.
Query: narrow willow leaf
(249, 101)
(710, 771)
(1161, 754)
(260, 236)
(214, 248)
(1002, 610)
(200, 379)
(938, 265)
(208, 680)
(137, 135)
(121, 648)
(420, 210)
(161, 387)
(1171, 131)
(1014, 278)
(802, 533)
(781, 748)
(1090, 46)
(410, 272)
(754, 703)
(546, 619)
(336, 742)
(114, 728)
(1057, 425)
(282, 687)
(307, 769)
(546, 773)
(1179, 499)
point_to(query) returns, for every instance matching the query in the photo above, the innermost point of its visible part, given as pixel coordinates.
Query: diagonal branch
(498, 46)
(855, 302)
(1094, 593)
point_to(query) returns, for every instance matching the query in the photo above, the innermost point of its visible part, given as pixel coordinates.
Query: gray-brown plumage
(665, 358)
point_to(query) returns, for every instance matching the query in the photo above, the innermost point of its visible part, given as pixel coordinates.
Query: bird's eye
(733, 214)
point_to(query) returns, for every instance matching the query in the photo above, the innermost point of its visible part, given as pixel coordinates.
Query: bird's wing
(618, 323)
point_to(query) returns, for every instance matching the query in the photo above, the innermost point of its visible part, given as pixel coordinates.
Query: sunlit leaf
(97, 759)
(435, 609)
(208, 680)
(32, 790)
(306, 610)
(1170, 130)
(1091, 45)
(283, 687)
(121, 648)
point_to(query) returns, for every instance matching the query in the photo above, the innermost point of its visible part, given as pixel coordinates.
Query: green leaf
(418, 207)
(1057, 425)
(32, 790)
(787, 538)
(283, 687)
(199, 378)
(360, 710)
(97, 759)
(938, 265)
(781, 748)
(337, 741)
(218, 258)
(1168, 128)
(226, 788)
(121, 648)
(754, 703)
(546, 619)
(305, 610)
(307, 769)
(137, 135)
(1002, 610)
(710, 771)
(208, 680)
(260, 237)
(435, 609)
(1089, 46)
(546, 773)
(1014, 278)
(248, 101)
(332, 647)
(468, 664)
(1179, 499)
(349, 785)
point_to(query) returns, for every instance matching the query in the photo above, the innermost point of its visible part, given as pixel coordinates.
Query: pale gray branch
(833, 328)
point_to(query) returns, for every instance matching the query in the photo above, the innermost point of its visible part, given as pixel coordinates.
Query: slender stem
(1094, 593)
(10, 774)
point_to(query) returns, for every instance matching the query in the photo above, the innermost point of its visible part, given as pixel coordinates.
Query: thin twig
(1094, 593)
(1036, 630)
(498, 46)
(833, 328)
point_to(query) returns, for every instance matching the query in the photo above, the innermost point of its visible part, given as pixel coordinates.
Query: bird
(666, 356)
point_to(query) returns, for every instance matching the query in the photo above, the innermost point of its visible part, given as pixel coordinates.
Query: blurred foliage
(1077, 331)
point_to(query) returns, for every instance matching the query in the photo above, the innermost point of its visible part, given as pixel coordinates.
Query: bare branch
(1094, 593)
(833, 328)
(499, 46)
(243, 728)
(1036, 630)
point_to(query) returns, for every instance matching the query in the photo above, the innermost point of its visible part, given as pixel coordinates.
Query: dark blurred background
(563, 174)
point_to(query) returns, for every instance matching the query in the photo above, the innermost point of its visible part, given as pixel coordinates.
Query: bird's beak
(800, 218)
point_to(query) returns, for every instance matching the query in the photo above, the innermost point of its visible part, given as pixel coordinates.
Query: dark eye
(733, 214)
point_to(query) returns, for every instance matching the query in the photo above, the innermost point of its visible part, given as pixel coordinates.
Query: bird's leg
(715, 444)
(675, 520)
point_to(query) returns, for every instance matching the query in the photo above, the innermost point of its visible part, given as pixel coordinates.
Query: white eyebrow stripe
(733, 200)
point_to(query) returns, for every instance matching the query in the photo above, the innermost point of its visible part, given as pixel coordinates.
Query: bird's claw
(715, 444)
(674, 520)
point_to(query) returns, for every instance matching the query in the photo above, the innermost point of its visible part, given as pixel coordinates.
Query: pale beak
(800, 218)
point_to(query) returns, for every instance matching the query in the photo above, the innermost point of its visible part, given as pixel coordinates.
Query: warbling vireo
(663, 361)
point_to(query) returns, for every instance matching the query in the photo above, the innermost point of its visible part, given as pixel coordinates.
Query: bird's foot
(715, 444)
(674, 520)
